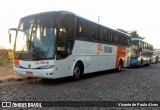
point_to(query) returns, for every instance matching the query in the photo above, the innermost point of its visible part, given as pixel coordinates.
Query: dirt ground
(7, 72)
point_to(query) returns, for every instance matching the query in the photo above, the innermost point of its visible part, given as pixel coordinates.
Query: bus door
(65, 36)
(64, 44)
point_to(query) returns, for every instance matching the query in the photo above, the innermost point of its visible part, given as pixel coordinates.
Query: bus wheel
(119, 67)
(149, 62)
(141, 63)
(140, 66)
(77, 72)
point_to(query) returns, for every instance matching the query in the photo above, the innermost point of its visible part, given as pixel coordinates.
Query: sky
(142, 16)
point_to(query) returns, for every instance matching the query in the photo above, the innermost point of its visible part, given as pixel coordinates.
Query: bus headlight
(17, 66)
(47, 66)
(139, 58)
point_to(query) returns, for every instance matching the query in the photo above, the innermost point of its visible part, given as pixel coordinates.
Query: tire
(140, 65)
(149, 63)
(77, 72)
(119, 69)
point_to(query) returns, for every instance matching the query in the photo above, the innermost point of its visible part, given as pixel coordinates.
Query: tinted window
(65, 36)
(94, 31)
(113, 37)
(82, 28)
(102, 34)
(119, 39)
(135, 42)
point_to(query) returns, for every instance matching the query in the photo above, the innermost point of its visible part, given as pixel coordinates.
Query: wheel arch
(78, 61)
(120, 60)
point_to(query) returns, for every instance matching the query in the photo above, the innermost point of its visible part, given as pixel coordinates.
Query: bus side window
(112, 37)
(108, 36)
(82, 28)
(94, 31)
(116, 38)
(102, 34)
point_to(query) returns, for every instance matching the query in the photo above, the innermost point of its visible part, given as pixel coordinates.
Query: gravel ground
(132, 84)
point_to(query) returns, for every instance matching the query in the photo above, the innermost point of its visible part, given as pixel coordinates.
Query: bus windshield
(135, 48)
(36, 38)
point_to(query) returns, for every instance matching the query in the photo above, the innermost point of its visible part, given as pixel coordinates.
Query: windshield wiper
(33, 51)
(21, 52)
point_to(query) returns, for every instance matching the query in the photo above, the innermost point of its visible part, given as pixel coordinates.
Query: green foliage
(133, 34)
(124, 31)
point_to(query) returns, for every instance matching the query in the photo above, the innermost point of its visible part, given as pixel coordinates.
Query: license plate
(29, 73)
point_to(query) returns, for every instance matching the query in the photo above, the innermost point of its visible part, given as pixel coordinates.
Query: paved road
(132, 84)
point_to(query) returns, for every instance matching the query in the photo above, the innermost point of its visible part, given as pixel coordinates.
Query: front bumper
(42, 73)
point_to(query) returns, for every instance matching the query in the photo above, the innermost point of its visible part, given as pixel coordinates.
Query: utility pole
(98, 18)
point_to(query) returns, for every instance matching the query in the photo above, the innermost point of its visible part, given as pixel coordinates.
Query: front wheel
(140, 65)
(77, 72)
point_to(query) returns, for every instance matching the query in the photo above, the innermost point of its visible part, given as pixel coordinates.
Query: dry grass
(7, 72)
(6, 66)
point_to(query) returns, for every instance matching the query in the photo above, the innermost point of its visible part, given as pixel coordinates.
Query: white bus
(61, 44)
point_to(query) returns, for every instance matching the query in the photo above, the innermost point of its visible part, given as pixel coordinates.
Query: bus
(60, 44)
(155, 54)
(141, 53)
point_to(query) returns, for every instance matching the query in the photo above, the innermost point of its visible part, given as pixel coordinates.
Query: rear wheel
(119, 67)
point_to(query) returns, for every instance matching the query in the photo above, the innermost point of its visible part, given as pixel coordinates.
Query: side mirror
(10, 38)
(12, 33)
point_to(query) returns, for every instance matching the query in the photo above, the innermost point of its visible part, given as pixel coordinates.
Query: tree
(124, 31)
(133, 34)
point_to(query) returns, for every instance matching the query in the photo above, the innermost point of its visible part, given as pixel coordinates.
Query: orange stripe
(16, 61)
(121, 53)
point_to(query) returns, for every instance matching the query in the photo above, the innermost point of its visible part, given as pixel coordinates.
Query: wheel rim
(77, 72)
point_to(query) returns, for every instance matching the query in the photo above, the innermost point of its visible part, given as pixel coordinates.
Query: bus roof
(71, 13)
(136, 39)
(46, 13)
